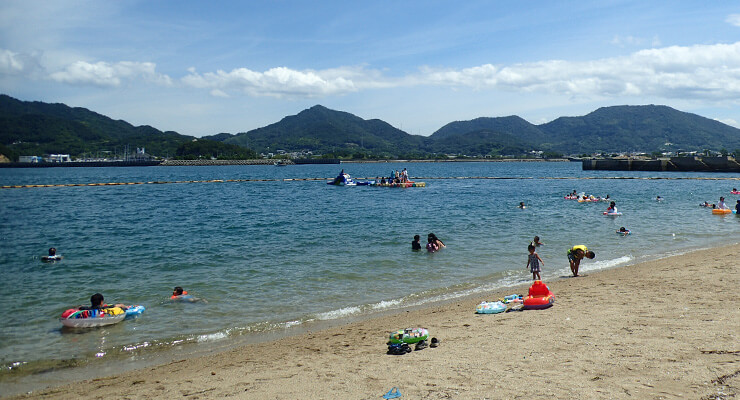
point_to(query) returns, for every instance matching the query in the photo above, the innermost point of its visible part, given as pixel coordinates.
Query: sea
(273, 251)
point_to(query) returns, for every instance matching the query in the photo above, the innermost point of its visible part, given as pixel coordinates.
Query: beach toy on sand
(539, 297)
(409, 335)
(512, 298)
(490, 307)
(392, 394)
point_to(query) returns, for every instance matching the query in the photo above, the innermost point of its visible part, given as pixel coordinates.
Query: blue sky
(200, 68)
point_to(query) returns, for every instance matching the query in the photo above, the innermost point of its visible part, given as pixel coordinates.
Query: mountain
(36, 128)
(611, 129)
(641, 128)
(322, 130)
(219, 137)
(512, 125)
(41, 128)
(483, 142)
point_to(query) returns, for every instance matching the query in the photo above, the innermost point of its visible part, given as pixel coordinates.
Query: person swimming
(178, 294)
(53, 256)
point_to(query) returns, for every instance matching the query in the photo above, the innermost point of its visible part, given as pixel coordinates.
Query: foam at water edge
(604, 264)
(340, 313)
(212, 336)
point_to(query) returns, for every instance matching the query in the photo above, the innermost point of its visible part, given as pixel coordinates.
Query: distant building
(59, 158)
(30, 159)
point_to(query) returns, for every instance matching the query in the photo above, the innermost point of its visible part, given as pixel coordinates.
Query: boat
(281, 163)
(342, 180)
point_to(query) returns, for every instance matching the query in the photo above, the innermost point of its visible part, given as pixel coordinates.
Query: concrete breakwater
(677, 164)
(173, 163)
(262, 161)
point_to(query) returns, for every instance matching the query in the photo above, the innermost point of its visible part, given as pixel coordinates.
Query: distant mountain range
(35, 128)
(609, 129)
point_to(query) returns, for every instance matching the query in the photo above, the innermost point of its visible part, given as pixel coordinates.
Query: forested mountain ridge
(35, 128)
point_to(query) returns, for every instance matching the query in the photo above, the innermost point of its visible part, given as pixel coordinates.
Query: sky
(202, 68)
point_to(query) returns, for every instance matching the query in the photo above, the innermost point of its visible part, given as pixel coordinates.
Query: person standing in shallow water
(533, 262)
(415, 245)
(576, 254)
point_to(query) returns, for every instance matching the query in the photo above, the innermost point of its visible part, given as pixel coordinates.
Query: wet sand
(663, 329)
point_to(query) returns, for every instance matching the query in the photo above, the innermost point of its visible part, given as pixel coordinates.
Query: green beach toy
(409, 335)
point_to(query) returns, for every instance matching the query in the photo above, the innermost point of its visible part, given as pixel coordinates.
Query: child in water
(178, 294)
(415, 245)
(97, 303)
(536, 242)
(533, 262)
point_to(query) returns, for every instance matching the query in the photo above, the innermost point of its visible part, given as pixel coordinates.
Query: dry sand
(659, 330)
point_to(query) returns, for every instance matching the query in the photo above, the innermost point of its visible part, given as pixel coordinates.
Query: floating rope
(421, 177)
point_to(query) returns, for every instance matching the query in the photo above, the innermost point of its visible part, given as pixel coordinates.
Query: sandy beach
(663, 329)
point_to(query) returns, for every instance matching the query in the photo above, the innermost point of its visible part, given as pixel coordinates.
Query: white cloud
(219, 93)
(275, 82)
(623, 41)
(701, 71)
(109, 74)
(729, 121)
(688, 72)
(733, 19)
(10, 62)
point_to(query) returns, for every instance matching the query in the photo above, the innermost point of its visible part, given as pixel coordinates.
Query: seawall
(677, 164)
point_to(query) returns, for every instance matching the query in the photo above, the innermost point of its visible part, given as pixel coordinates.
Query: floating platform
(401, 185)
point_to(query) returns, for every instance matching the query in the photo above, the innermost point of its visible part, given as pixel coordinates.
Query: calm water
(270, 256)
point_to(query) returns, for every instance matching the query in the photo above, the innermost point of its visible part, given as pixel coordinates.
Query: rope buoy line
(421, 177)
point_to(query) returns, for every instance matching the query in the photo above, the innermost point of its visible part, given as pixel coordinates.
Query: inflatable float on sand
(540, 297)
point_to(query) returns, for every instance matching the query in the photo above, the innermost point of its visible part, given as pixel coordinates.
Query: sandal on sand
(392, 394)
(421, 345)
(435, 342)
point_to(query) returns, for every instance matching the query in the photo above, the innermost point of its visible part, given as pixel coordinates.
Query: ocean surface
(274, 256)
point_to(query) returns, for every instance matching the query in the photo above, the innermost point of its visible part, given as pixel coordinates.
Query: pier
(674, 164)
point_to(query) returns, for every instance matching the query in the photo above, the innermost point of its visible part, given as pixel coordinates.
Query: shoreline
(600, 340)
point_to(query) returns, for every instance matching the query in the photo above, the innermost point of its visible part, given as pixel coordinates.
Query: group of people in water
(585, 197)
(433, 243)
(97, 301)
(396, 177)
(721, 205)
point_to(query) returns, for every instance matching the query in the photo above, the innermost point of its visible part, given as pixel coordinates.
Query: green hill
(483, 143)
(640, 128)
(36, 128)
(322, 130)
(611, 129)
